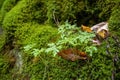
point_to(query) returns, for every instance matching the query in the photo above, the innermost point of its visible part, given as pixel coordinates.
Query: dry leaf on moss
(86, 28)
(72, 54)
(103, 34)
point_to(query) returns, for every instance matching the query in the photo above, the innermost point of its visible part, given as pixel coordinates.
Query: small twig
(56, 20)
(113, 75)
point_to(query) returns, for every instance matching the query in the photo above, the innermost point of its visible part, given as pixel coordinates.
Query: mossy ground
(24, 23)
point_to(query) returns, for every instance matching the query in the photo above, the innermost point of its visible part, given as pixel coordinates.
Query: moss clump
(1, 3)
(114, 22)
(33, 33)
(6, 7)
(24, 11)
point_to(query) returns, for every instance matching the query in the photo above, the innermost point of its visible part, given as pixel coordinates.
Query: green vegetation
(1, 3)
(2, 40)
(33, 33)
(114, 20)
(6, 7)
(72, 37)
(6, 67)
(31, 25)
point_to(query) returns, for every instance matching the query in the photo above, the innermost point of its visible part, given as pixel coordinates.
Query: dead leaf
(86, 28)
(72, 54)
(102, 34)
(35, 59)
(101, 30)
(100, 26)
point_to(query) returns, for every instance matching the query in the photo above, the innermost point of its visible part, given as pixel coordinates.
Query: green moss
(1, 3)
(46, 67)
(24, 11)
(114, 22)
(6, 7)
(33, 33)
(5, 68)
(21, 21)
(114, 25)
(2, 39)
(55, 68)
(63, 10)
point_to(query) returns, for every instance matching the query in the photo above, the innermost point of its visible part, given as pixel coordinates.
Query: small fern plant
(32, 50)
(71, 36)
